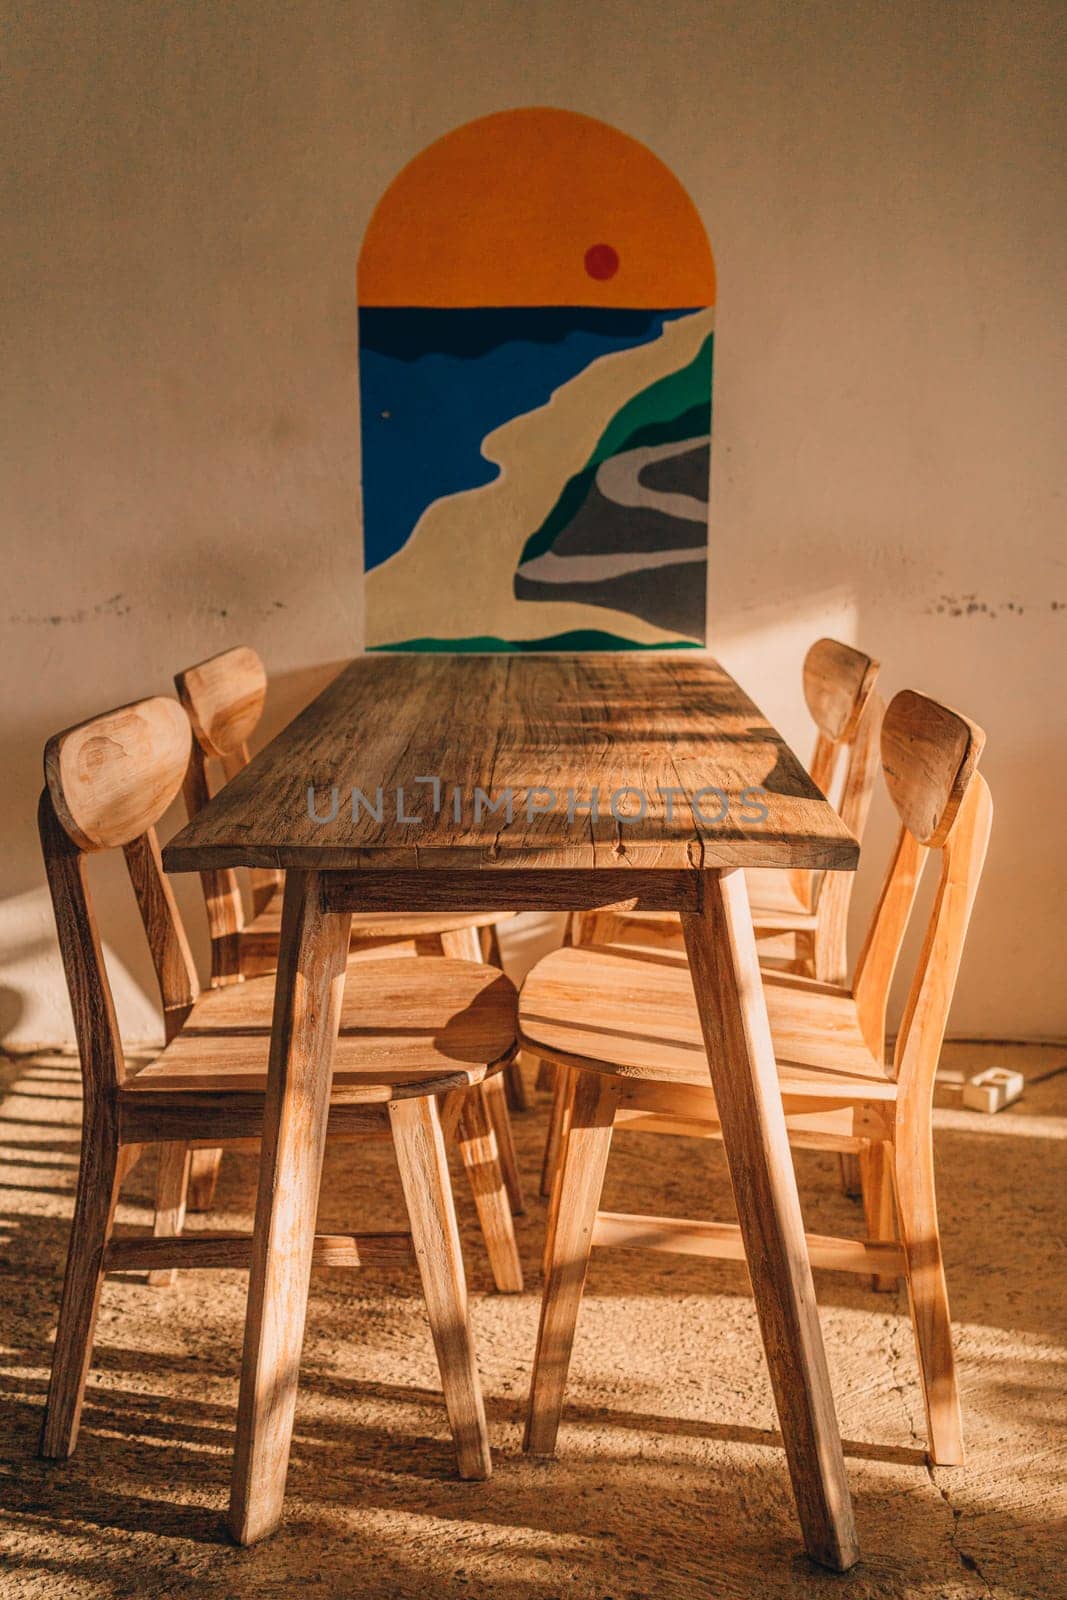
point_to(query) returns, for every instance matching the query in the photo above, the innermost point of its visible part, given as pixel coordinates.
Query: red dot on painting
(601, 261)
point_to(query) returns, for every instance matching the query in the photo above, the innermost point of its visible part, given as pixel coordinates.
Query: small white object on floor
(993, 1089)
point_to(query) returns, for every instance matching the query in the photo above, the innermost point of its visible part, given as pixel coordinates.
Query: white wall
(883, 187)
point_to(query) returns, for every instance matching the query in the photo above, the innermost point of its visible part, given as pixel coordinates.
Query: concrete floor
(669, 1481)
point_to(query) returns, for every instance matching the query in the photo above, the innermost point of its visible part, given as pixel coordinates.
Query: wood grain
(99, 1173)
(260, 937)
(674, 729)
(812, 906)
(525, 723)
(254, 1059)
(420, 1156)
(112, 777)
(524, 888)
(637, 1010)
(929, 754)
(723, 1241)
(168, 946)
(579, 1181)
(918, 1047)
(740, 1054)
(222, 891)
(481, 1156)
(636, 1018)
(172, 1183)
(391, 1248)
(837, 679)
(307, 1011)
(406, 1028)
(832, 892)
(224, 698)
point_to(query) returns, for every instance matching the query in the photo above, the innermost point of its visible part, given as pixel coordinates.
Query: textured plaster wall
(186, 188)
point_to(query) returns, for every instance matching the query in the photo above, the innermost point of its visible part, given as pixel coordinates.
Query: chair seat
(407, 1028)
(264, 929)
(776, 907)
(634, 1013)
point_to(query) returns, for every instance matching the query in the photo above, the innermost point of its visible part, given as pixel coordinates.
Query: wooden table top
(636, 721)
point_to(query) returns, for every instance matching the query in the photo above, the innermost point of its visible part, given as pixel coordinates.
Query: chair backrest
(224, 698)
(839, 690)
(838, 683)
(930, 763)
(107, 783)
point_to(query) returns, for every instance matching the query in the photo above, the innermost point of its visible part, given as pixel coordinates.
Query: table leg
(733, 1015)
(307, 1009)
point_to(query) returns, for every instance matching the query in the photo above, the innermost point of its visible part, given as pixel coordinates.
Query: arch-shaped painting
(536, 314)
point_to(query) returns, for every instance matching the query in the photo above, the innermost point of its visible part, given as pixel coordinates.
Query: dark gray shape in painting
(670, 597)
(687, 473)
(638, 542)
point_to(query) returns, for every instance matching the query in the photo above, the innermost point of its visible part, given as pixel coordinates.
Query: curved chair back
(929, 757)
(930, 762)
(838, 680)
(112, 778)
(107, 783)
(839, 691)
(224, 698)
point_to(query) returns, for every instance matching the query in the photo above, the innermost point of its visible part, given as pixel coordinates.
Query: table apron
(504, 889)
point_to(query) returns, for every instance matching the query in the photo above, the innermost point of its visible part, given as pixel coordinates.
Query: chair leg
(308, 991)
(420, 1155)
(479, 1150)
(203, 1177)
(587, 927)
(566, 1084)
(514, 1083)
(94, 1209)
(172, 1183)
(496, 1104)
(545, 1081)
(515, 1087)
(851, 1177)
(464, 944)
(928, 1295)
(584, 1158)
(876, 1186)
(550, 1159)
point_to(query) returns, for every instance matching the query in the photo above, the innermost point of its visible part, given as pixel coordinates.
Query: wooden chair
(810, 907)
(224, 698)
(624, 1025)
(808, 910)
(414, 1036)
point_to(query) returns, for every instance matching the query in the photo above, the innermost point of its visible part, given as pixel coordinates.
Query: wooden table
(674, 728)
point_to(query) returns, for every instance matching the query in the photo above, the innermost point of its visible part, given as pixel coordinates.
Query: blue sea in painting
(434, 382)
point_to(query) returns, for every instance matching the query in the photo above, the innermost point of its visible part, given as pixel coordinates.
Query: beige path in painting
(467, 546)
